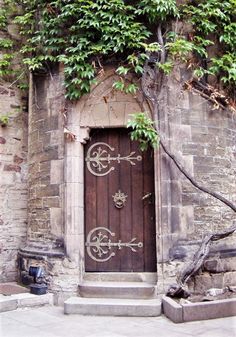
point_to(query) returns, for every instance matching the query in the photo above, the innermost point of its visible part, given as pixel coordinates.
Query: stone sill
(179, 313)
(40, 254)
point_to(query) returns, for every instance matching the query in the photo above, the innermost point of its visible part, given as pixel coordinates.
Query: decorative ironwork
(99, 245)
(119, 199)
(98, 159)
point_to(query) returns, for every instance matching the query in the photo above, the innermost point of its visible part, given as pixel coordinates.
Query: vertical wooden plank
(126, 211)
(114, 214)
(102, 202)
(137, 209)
(90, 207)
(136, 219)
(149, 212)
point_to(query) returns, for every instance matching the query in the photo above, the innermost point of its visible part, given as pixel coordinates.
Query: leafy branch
(143, 131)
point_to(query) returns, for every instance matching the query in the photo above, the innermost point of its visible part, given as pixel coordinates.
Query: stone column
(45, 234)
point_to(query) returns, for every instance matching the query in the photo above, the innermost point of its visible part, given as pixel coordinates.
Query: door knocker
(119, 199)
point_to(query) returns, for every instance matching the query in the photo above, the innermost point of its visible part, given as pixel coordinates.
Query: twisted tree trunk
(177, 290)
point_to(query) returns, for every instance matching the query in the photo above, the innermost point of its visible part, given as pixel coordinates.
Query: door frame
(80, 125)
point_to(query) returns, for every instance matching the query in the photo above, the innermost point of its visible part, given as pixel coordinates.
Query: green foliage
(228, 36)
(225, 65)
(6, 43)
(166, 67)
(127, 88)
(214, 23)
(179, 48)
(79, 34)
(82, 33)
(143, 131)
(119, 85)
(3, 18)
(4, 119)
(157, 10)
(210, 16)
(5, 63)
(199, 72)
(151, 47)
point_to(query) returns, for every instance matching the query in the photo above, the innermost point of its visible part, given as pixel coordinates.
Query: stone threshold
(187, 312)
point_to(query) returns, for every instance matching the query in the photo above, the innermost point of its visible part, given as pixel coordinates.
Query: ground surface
(51, 322)
(12, 288)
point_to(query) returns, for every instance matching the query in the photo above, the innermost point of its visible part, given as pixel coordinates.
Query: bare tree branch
(193, 181)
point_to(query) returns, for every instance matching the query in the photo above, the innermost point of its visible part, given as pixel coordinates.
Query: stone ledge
(13, 302)
(112, 307)
(40, 254)
(180, 313)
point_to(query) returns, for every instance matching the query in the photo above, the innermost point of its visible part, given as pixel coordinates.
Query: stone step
(110, 289)
(13, 302)
(121, 277)
(112, 307)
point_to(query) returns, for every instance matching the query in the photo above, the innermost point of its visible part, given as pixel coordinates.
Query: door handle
(147, 196)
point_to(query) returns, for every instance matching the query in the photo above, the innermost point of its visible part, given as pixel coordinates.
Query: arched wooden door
(119, 204)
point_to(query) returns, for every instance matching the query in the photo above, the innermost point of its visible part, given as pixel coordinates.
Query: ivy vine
(143, 131)
(85, 34)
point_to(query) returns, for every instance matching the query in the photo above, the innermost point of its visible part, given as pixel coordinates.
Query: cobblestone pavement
(51, 322)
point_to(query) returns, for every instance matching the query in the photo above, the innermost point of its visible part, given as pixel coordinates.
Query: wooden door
(119, 204)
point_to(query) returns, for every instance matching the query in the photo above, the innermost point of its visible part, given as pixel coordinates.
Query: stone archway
(102, 108)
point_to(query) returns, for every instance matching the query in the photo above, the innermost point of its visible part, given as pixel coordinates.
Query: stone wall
(45, 159)
(13, 180)
(45, 244)
(204, 140)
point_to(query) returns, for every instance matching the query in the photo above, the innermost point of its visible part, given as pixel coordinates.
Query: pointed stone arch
(104, 107)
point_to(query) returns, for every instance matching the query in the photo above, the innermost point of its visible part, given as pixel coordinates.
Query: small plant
(143, 131)
(4, 120)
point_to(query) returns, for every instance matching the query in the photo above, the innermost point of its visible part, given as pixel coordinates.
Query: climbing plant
(143, 130)
(143, 37)
(84, 34)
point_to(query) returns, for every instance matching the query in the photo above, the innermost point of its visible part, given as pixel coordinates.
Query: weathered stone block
(51, 123)
(172, 309)
(208, 310)
(51, 202)
(229, 279)
(7, 305)
(12, 167)
(2, 140)
(47, 191)
(57, 171)
(49, 154)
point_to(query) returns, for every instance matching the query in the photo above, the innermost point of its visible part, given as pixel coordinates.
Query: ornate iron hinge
(98, 159)
(99, 246)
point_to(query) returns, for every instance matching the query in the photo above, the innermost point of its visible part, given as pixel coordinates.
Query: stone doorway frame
(102, 108)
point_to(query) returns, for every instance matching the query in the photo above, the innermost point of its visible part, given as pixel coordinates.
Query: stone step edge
(113, 307)
(19, 301)
(125, 290)
(149, 277)
(116, 284)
